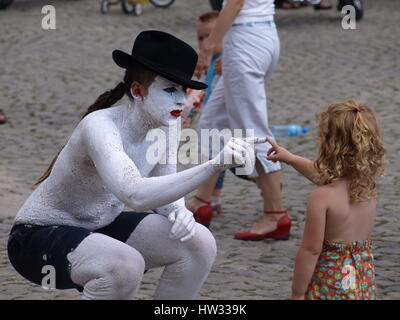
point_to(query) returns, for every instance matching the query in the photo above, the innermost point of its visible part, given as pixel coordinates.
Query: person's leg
(216, 201)
(213, 116)
(270, 184)
(219, 183)
(250, 67)
(204, 193)
(106, 268)
(217, 192)
(187, 264)
(270, 180)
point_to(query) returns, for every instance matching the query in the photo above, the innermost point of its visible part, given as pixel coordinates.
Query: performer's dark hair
(136, 72)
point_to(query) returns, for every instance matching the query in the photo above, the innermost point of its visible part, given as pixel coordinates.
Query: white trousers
(239, 101)
(110, 269)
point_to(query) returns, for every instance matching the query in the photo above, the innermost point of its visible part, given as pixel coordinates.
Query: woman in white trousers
(250, 54)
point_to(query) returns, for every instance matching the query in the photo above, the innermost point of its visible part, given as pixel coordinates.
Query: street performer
(74, 219)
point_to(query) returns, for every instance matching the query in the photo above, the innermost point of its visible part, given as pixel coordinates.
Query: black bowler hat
(163, 54)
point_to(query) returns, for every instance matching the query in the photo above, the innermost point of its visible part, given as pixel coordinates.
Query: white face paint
(164, 102)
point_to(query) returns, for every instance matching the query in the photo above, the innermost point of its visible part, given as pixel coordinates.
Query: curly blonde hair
(351, 147)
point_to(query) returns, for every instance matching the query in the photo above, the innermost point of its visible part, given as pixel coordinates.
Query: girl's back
(345, 221)
(345, 267)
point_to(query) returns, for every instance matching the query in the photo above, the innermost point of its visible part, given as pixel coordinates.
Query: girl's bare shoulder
(329, 193)
(327, 189)
(320, 195)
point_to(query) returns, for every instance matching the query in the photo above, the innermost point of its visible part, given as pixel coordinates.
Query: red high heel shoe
(203, 214)
(282, 232)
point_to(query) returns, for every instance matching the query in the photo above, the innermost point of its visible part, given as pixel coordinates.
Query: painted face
(165, 100)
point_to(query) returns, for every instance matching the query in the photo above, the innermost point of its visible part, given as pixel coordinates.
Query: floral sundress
(344, 271)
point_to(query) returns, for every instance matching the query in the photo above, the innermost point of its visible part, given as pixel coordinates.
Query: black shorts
(31, 247)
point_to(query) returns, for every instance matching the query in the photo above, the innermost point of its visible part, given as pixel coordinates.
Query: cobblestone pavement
(47, 79)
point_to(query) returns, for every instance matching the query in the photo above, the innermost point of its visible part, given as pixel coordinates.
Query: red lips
(176, 113)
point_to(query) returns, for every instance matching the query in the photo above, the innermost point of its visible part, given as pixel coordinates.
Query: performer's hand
(237, 152)
(183, 224)
(218, 66)
(277, 153)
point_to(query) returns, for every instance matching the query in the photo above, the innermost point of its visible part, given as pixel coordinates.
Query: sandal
(282, 232)
(3, 118)
(203, 214)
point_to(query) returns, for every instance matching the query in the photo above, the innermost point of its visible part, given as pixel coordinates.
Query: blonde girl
(335, 260)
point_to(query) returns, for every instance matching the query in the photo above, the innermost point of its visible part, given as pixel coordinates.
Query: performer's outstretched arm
(162, 170)
(122, 177)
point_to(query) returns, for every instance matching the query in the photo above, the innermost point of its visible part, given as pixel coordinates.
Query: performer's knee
(125, 274)
(204, 247)
(106, 268)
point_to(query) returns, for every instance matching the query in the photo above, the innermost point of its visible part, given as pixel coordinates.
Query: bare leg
(216, 192)
(187, 264)
(270, 185)
(216, 201)
(203, 192)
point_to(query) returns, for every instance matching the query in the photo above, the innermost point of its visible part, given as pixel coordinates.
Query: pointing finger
(272, 143)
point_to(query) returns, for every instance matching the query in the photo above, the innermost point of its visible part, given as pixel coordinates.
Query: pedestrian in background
(251, 50)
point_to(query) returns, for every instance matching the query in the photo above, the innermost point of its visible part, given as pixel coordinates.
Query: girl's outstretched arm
(302, 165)
(312, 242)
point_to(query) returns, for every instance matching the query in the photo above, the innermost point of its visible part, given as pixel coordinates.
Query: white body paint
(102, 168)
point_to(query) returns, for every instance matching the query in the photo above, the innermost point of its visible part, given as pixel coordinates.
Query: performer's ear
(138, 90)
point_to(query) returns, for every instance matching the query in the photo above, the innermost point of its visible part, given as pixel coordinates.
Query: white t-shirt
(255, 10)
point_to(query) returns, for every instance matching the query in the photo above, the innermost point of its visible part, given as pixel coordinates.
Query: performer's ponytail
(107, 99)
(136, 72)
